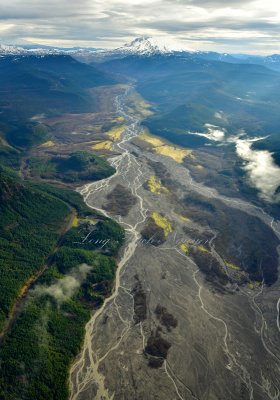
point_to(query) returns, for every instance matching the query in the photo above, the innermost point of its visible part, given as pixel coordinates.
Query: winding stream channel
(126, 166)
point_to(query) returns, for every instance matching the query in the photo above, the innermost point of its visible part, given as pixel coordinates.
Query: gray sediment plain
(207, 342)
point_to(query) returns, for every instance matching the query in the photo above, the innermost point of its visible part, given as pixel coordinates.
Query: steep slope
(49, 282)
(32, 86)
(52, 83)
(30, 224)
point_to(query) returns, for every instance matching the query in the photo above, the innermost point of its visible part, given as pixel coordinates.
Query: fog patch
(38, 117)
(220, 115)
(214, 133)
(263, 173)
(259, 165)
(63, 289)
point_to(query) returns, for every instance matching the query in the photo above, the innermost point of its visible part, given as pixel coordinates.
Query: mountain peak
(151, 46)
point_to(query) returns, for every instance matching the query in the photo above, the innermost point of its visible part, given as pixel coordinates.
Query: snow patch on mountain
(148, 46)
(6, 50)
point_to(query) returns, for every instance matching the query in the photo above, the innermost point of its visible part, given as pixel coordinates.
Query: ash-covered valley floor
(195, 312)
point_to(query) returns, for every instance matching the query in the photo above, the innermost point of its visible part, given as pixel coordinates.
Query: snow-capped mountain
(148, 46)
(17, 50)
(141, 46)
(5, 49)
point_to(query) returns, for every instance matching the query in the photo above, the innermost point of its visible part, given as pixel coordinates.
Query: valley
(140, 224)
(172, 326)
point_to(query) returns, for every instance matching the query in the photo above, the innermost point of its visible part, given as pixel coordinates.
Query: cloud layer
(263, 173)
(235, 26)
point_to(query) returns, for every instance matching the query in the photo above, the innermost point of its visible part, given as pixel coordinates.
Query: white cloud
(214, 133)
(243, 26)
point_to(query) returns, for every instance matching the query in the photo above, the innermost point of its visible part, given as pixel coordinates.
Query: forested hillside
(50, 279)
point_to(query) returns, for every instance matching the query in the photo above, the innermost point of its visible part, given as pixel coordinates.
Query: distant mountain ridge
(141, 46)
(145, 47)
(41, 51)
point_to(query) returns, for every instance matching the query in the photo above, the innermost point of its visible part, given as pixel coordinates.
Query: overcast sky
(220, 25)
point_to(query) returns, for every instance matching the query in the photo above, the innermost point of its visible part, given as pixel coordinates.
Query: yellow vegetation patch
(184, 218)
(75, 221)
(116, 133)
(162, 222)
(24, 288)
(233, 266)
(200, 167)
(202, 249)
(50, 143)
(155, 185)
(151, 139)
(144, 108)
(120, 119)
(184, 248)
(138, 106)
(164, 149)
(105, 145)
(173, 152)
